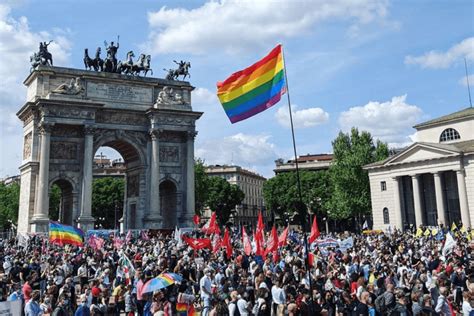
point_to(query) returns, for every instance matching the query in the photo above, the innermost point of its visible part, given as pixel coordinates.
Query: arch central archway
(63, 211)
(123, 211)
(169, 203)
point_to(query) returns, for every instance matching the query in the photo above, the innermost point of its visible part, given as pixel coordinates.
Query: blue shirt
(82, 310)
(33, 309)
(15, 296)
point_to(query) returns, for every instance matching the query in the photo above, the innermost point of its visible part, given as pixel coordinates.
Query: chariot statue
(110, 62)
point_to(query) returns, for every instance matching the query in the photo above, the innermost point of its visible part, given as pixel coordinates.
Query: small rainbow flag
(64, 234)
(181, 309)
(254, 89)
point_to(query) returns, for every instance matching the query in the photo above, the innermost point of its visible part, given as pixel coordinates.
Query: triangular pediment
(422, 151)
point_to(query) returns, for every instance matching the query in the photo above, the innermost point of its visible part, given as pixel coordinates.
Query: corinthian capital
(191, 135)
(89, 130)
(45, 128)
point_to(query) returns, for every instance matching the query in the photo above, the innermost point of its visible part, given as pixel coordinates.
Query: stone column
(398, 206)
(417, 200)
(85, 220)
(154, 214)
(190, 194)
(40, 218)
(466, 221)
(439, 199)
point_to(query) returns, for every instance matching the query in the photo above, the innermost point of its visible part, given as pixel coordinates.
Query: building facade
(306, 162)
(252, 186)
(430, 182)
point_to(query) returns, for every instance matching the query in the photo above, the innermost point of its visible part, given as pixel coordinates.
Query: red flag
(211, 226)
(246, 242)
(227, 243)
(314, 231)
(283, 237)
(216, 243)
(311, 259)
(272, 243)
(259, 234)
(276, 256)
(197, 243)
(196, 219)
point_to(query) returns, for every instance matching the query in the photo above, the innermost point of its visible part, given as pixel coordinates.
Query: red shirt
(27, 292)
(95, 291)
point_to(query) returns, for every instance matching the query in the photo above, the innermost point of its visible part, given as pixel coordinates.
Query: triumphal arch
(70, 113)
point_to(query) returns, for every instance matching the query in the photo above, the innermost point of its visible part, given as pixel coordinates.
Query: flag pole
(303, 217)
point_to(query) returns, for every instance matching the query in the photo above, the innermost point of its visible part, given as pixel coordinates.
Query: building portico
(427, 183)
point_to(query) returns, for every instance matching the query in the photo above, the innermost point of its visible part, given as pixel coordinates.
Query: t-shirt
(205, 283)
(27, 292)
(362, 310)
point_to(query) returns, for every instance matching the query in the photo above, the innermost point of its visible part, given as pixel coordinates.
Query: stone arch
(169, 202)
(68, 200)
(125, 145)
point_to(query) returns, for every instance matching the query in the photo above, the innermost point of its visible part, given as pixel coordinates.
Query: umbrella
(160, 282)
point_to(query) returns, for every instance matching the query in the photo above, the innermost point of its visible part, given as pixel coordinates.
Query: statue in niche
(74, 87)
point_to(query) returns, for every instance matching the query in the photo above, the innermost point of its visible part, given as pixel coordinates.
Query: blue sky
(382, 66)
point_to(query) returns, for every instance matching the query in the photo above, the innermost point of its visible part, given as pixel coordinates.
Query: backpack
(236, 311)
(380, 304)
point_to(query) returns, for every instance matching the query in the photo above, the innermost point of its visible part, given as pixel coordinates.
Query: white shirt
(466, 308)
(242, 306)
(205, 286)
(278, 295)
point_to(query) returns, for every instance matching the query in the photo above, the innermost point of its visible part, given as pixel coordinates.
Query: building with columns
(69, 114)
(430, 182)
(250, 183)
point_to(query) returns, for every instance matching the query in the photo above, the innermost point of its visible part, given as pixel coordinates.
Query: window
(449, 134)
(386, 216)
(383, 186)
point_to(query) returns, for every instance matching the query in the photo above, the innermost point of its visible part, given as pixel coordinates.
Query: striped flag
(253, 89)
(65, 235)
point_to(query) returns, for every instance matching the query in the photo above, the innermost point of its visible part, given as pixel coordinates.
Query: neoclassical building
(430, 182)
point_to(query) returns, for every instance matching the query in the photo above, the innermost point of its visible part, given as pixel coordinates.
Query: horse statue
(44, 54)
(143, 64)
(183, 70)
(126, 66)
(88, 62)
(98, 62)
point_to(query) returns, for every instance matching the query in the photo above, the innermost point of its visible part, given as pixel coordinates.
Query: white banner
(10, 308)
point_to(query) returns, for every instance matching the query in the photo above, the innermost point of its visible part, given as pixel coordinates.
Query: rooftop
(466, 113)
(220, 169)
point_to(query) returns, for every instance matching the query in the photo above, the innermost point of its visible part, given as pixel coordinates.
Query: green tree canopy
(222, 197)
(281, 192)
(201, 180)
(350, 182)
(54, 202)
(106, 192)
(9, 204)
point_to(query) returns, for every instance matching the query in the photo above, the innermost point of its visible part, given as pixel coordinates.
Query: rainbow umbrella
(160, 282)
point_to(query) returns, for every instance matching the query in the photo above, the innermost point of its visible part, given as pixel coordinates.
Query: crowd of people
(381, 274)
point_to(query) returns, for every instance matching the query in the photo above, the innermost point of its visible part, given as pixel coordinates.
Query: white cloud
(202, 97)
(241, 149)
(463, 80)
(436, 60)
(235, 25)
(17, 43)
(389, 121)
(301, 118)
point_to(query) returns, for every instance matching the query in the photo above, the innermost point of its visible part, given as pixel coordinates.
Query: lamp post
(115, 215)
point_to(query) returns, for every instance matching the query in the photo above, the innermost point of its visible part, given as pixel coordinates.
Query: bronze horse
(97, 63)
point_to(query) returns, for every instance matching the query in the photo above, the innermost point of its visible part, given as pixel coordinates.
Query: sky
(382, 66)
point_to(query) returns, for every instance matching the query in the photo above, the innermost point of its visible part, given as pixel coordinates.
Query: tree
(201, 180)
(222, 197)
(54, 202)
(9, 204)
(107, 194)
(350, 182)
(281, 192)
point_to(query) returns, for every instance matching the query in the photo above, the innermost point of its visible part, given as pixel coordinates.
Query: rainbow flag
(64, 234)
(254, 89)
(181, 309)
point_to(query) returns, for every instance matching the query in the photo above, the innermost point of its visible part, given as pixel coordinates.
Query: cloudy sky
(382, 66)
